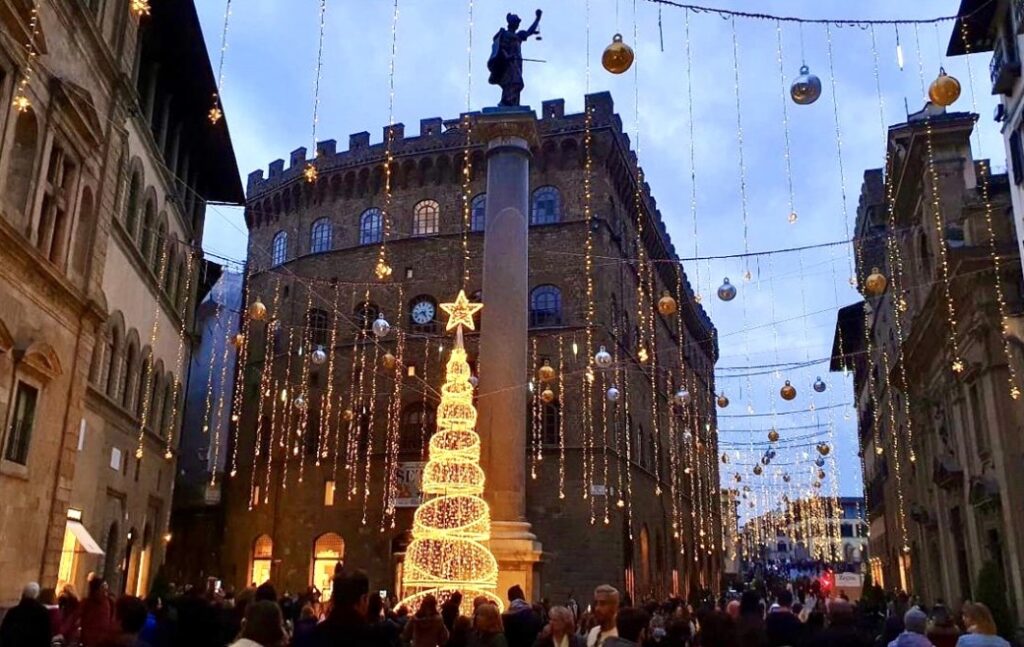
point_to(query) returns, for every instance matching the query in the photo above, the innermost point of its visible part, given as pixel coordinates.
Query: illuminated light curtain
(448, 552)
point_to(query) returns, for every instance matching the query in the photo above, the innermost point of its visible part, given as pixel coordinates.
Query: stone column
(504, 340)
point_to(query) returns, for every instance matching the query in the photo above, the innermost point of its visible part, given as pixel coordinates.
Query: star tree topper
(460, 313)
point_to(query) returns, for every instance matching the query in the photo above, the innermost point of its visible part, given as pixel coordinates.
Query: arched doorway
(262, 559)
(328, 553)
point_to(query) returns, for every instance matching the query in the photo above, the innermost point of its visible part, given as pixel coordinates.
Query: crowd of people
(258, 617)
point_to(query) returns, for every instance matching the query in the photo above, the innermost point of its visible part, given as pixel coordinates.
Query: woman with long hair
(981, 627)
(426, 628)
(488, 630)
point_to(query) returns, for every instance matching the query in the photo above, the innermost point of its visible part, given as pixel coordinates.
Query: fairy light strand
(739, 142)
(21, 102)
(216, 112)
(310, 171)
(179, 361)
(785, 123)
(242, 357)
(383, 270)
(264, 392)
(154, 332)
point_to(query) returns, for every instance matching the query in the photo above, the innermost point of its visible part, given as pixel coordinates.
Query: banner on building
(407, 485)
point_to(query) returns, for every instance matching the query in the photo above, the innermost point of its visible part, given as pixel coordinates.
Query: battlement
(435, 133)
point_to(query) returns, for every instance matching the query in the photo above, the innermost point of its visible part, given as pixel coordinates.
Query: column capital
(506, 123)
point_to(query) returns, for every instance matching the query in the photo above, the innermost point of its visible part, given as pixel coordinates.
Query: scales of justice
(471, 534)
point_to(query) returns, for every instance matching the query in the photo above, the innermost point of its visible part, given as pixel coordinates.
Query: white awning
(84, 538)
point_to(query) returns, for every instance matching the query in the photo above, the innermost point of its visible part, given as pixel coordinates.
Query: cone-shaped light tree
(451, 527)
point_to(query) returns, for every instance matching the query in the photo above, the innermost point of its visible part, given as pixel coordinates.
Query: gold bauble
(824, 449)
(944, 90)
(546, 372)
(773, 436)
(821, 474)
(788, 391)
(239, 340)
(723, 401)
(389, 361)
(667, 305)
(617, 57)
(875, 283)
(347, 415)
(257, 310)
(758, 469)
(547, 396)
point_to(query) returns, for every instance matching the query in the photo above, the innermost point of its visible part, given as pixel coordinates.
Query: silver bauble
(612, 394)
(602, 358)
(381, 327)
(319, 356)
(726, 291)
(299, 403)
(474, 380)
(819, 385)
(806, 88)
(682, 397)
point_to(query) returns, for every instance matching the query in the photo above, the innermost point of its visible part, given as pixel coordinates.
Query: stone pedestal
(504, 340)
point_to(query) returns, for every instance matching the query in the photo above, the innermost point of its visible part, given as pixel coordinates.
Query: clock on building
(423, 312)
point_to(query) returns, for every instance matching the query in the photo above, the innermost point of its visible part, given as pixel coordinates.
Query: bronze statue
(506, 61)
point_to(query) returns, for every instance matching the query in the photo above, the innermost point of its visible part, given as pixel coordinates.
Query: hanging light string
(986, 198)
(838, 22)
(241, 358)
(561, 422)
(371, 432)
(383, 270)
(588, 268)
(839, 149)
(147, 378)
(897, 462)
(467, 158)
(287, 406)
(264, 392)
(327, 413)
(306, 353)
(179, 362)
(785, 123)
(210, 369)
(693, 161)
(536, 385)
(220, 420)
(390, 490)
(739, 142)
(604, 443)
(310, 172)
(21, 102)
(216, 112)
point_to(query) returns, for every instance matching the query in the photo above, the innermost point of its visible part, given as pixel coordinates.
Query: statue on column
(506, 61)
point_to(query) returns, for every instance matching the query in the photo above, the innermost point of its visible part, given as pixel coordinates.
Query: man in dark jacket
(28, 623)
(347, 623)
(782, 625)
(522, 624)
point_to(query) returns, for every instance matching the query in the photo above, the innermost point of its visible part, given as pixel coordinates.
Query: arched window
(279, 248)
(127, 383)
(545, 306)
(319, 324)
(158, 245)
(145, 371)
(328, 554)
(547, 206)
(365, 314)
(478, 213)
(549, 423)
(171, 273)
(83, 232)
(23, 161)
(131, 211)
(424, 218)
(113, 362)
(320, 236)
(370, 227)
(262, 558)
(148, 233)
(419, 421)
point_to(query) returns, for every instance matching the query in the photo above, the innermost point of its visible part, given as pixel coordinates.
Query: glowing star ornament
(140, 7)
(310, 173)
(215, 115)
(452, 526)
(382, 270)
(21, 103)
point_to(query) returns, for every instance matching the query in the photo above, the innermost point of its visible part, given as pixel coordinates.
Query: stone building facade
(941, 493)
(104, 178)
(314, 243)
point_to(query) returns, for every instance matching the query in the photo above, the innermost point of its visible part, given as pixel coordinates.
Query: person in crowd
(782, 627)
(266, 591)
(27, 623)
(129, 618)
(732, 608)
(70, 608)
(942, 629)
(560, 630)
(751, 621)
(915, 624)
(302, 635)
(263, 626)
(606, 609)
(386, 631)
(97, 615)
(631, 628)
(522, 622)
(842, 628)
(717, 629)
(677, 632)
(426, 629)
(981, 627)
(346, 623)
(488, 630)
(450, 609)
(460, 633)
(48, 598)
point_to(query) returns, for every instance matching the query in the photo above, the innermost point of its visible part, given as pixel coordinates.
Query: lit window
(22, 423)
(262, 558)
(547, 206)
(328, 553)
(424, 218)
(328, 493)
(320, 236)
(545, 306)
(115, 459)
(478, 211)
(279, 250)
(370, 227)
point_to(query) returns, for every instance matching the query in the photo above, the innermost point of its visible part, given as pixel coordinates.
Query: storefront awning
(84, 538)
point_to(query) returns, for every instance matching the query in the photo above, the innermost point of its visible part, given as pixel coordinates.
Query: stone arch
(348, 187)
(133, 202)
(445, 169)
(363, 182)
(21, 167)
(158, 244)
(548, 154)
(112, 362)
(426, 169)
(479, 160)
(377, 179)
(570, 149)
(171, 273)
(409, 173)
(129, 369)
(277, 209)
(147, 231)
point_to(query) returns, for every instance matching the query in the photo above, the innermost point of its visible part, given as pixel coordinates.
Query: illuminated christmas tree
(448, 552)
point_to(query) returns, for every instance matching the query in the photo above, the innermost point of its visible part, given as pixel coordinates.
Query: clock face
(423, 312)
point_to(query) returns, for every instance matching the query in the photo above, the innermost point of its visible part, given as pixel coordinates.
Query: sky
(786, 311)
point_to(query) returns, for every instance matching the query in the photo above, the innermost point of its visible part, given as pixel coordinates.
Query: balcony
(1004, 69)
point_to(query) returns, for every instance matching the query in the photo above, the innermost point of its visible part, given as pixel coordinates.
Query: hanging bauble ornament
(725, 458)
(788, 391)
(785, 478)
(547, 396)
(773, 435)
(771, 454)
(299, 403)
(257, 310)
(819, 461)
(875, 283)
(319, 356)
(944, 90)
(824, 449)
(603, 359)
(723, 401)
(238, 340)
(381, 327)
(821, 475)
(682, 397)
(546, 372)
(758, 470)
(667, 304)
(765, 460)
(736, 477)
(389, 361)
(474, 380)
(347, 415)
(726, 291)
(612, 394)
(618, 57)
(806, 88)
(819, 385)
(816, 485)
